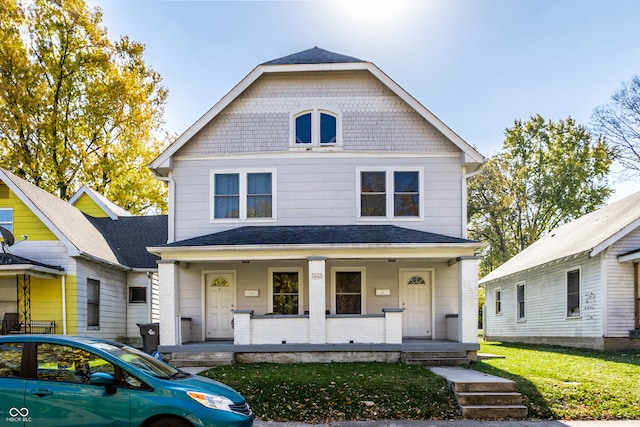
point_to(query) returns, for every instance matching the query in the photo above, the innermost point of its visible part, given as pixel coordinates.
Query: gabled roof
(112, 210)
(318, 235)
(131, 235)
(591, 233)
(312, 60)
(65, 221)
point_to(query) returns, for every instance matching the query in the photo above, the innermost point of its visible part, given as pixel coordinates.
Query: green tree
(619, 122)
(545, 175)
(75, 108)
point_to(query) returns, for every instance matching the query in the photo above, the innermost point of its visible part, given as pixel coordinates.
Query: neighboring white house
(317, 203)
(576, 286)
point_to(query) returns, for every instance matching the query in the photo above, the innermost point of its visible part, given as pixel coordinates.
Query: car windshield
(140, 360)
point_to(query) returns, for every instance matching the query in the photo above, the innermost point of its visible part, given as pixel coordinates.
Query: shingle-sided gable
(471, 158)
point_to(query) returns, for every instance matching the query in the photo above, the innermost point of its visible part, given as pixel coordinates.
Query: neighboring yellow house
(75, 267)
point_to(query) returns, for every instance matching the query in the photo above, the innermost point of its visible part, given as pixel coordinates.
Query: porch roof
(319, 235)
(11, 265)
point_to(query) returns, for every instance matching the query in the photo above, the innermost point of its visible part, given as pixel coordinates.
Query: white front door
(416, 301)
(220, 288)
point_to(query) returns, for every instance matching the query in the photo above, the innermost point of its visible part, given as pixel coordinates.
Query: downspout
(465, 178)
(636, 296)
(64, 305)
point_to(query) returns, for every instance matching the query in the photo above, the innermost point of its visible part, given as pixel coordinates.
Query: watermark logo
(18, 415)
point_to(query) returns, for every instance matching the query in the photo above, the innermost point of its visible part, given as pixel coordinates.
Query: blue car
(71, 381)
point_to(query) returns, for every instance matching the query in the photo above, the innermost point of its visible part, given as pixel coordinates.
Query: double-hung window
(286, 290)
(348, 292)
(6, 219)
(573, 292)
(243, 195)
(390, 193)
(315, 127)
(498, 296)
(521, 301)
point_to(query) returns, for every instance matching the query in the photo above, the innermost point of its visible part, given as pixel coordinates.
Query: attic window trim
(316, 114)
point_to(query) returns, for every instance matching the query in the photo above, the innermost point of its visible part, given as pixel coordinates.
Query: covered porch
(318, 285)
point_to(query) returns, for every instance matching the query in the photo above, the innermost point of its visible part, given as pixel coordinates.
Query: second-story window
(315, 128)
(388, 193)
(243, 195)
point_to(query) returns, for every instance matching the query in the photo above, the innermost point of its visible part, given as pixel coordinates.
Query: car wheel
(170, 422)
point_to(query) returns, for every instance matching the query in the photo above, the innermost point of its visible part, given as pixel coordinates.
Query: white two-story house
(317, 203)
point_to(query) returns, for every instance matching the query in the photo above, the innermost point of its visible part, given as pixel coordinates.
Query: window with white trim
(285, 285)
(93, 303)
(348, 286)
(243, 195)
(6, 219)
(521, 301)
(498, 298)
(573, 292)
(315, 128)
(390, 193)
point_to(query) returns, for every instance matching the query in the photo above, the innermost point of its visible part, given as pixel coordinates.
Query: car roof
(63, 339)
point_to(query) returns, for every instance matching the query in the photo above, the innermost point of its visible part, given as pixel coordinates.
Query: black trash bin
(150, 336)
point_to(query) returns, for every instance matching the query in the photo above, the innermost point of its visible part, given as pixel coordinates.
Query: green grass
(570, 384)
(556, 383)
(326, 392)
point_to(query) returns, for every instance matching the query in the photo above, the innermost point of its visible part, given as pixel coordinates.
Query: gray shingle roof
(130, 236)
(318, 235)
(314, 55)
(592, 233)
(10, 259)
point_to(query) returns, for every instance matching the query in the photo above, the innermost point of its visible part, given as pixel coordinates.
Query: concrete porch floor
(423, 351)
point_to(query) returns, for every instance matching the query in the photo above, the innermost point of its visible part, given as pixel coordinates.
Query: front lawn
(556, 383)
(570, 384)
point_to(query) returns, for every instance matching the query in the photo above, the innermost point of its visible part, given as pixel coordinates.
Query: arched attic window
(315, 128)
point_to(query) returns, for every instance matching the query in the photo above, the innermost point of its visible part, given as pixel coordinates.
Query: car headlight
(213, 401)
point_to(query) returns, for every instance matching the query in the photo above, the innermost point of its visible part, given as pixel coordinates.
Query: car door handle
(41, 392)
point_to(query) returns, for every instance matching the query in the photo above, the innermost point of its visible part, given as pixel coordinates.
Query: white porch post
(468, 299)
(169, 302)
(317, 300)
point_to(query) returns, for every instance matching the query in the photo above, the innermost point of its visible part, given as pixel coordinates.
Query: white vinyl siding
(310, 189)
(546, 303)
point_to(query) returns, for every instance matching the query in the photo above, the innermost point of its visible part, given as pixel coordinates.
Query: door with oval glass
(416, 288)
(220, 288)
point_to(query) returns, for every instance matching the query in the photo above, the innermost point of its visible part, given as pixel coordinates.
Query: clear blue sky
(476, 64)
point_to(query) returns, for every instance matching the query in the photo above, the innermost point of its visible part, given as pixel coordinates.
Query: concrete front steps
(483, 396)
(199, 359)
(435, 358)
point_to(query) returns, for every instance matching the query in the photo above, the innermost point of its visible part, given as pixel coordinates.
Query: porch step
(434, 358)
(199, 359)
(483, 396)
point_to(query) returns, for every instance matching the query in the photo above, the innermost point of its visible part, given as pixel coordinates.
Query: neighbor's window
(316, 128)
(6, 219)
(348, 292)
(243, 195)
(93, 303)
(498, 301)
(286, 291)
(573, 293)
(137, 295)
(390, 193)
(520, 293)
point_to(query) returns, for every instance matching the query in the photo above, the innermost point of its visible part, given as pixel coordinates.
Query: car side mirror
(108, 381)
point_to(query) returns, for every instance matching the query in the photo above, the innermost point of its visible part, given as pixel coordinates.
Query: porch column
(169, 302)
(317, 301)
(468, 299)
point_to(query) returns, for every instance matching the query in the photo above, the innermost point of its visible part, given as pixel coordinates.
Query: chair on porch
(10, 323)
